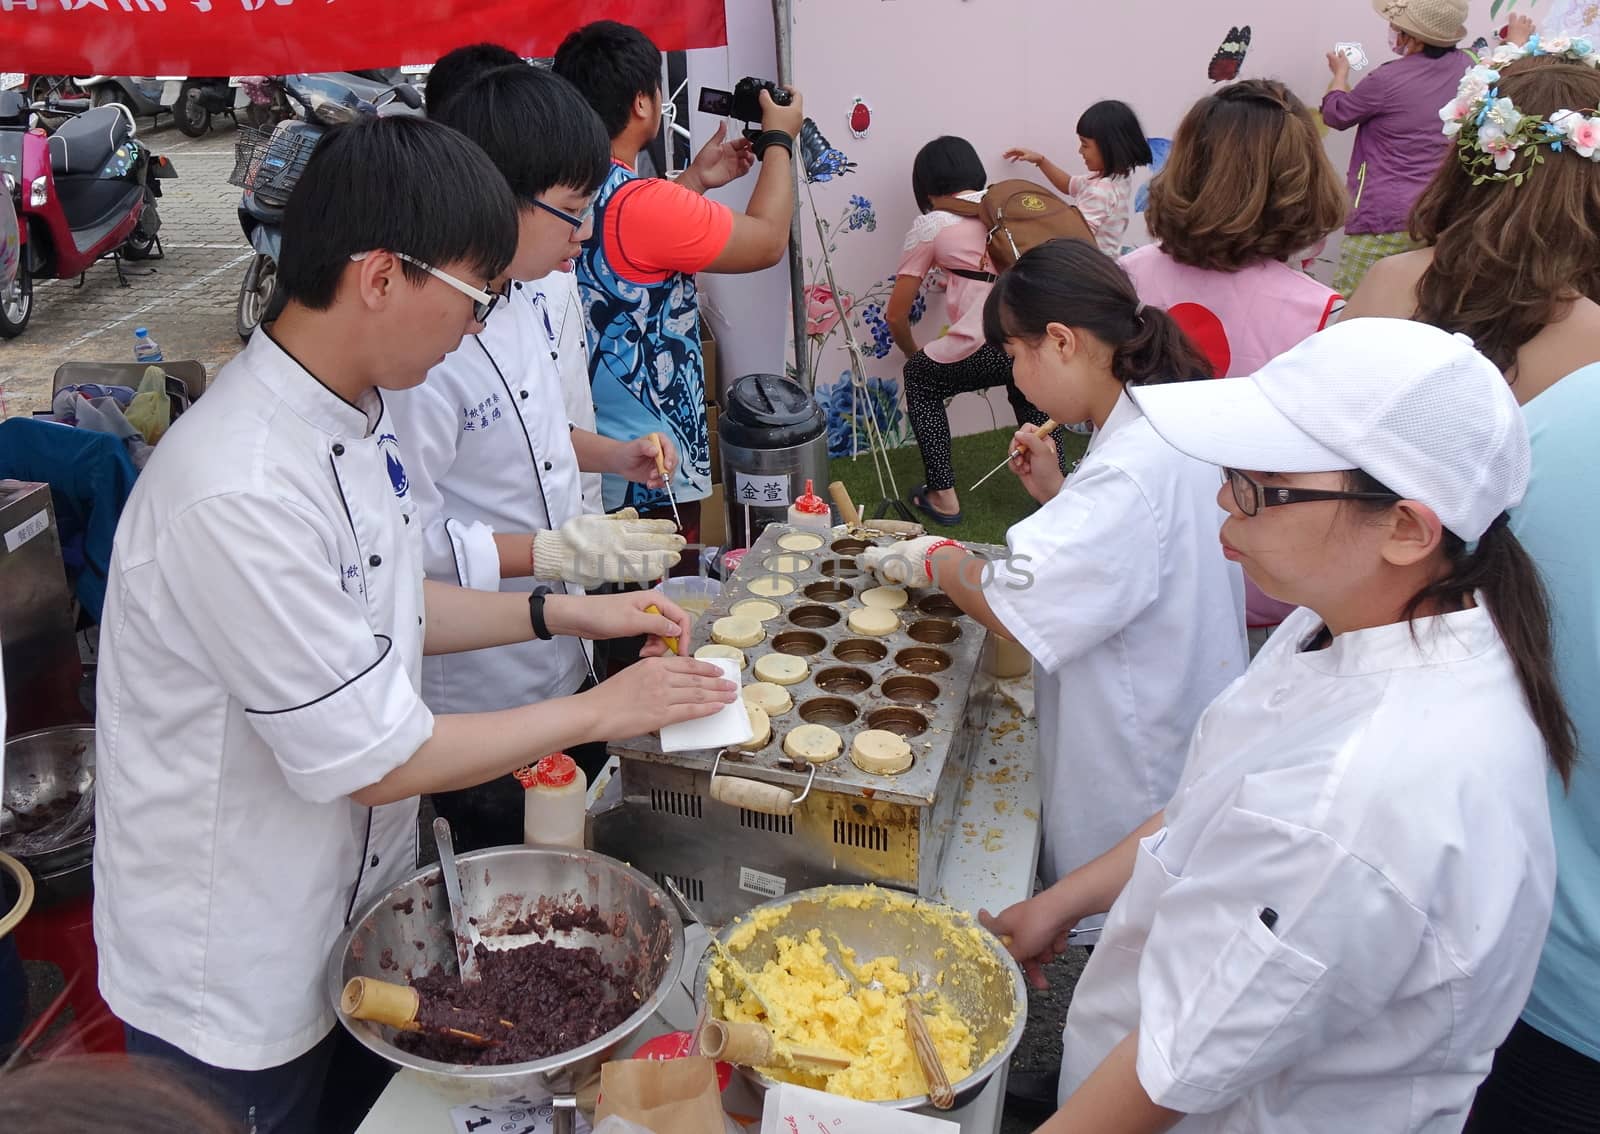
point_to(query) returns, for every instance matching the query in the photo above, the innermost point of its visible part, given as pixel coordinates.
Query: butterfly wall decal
(1229, 58)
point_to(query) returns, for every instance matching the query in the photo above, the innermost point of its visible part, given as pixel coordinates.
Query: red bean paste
(555, 1000)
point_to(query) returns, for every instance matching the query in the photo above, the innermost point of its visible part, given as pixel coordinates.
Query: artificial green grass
(985, 514)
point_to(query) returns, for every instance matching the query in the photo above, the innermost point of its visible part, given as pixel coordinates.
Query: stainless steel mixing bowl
(990, 997)
(43, 768)
(501, 886)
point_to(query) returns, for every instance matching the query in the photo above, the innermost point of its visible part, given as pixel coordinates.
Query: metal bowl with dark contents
(47, 804)
(406, 933)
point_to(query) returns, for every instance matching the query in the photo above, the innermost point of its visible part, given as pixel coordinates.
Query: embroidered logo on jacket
(390, 444)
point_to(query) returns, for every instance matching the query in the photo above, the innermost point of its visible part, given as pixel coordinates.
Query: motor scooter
(141, 94)
(268, 163)
(192, 101)
(85, 191)
(15, 304)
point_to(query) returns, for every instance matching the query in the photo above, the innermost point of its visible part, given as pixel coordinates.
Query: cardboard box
(716, 445)
(714, 519)
(713, 363)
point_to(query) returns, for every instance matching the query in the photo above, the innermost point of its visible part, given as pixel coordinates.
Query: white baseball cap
(1416, 407)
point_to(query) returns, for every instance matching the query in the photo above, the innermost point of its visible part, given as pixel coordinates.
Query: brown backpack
(1019, 215)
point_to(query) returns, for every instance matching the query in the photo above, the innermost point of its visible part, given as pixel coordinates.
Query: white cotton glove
(905, 563)
(618, 548)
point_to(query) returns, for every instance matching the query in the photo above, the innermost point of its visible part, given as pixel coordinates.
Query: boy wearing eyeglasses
(494, 458)
(261, 738)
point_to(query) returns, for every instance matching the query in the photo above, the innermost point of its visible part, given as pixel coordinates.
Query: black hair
(398, 184)
(457, 68)
(611, 64)
(535, 127)
(1501, 569)
(131, 1094)
(1114, 127)
(1434, 51)
(1072, 282)
(944, 166)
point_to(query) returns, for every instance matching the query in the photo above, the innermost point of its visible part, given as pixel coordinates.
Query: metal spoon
(465, 933)
(724, 954)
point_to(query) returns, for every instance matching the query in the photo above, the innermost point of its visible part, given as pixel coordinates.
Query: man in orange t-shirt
(636, 273)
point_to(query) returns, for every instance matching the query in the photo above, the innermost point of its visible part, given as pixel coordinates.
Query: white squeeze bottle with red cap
(810, 511)
(554, 802)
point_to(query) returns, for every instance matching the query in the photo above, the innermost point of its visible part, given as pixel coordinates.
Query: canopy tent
(274, 37)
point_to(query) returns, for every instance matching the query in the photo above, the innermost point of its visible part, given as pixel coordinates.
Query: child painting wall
(883, 77)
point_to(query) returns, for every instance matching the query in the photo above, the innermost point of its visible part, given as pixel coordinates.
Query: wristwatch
(536, 614)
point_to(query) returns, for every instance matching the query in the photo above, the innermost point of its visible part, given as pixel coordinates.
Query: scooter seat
(84, 144)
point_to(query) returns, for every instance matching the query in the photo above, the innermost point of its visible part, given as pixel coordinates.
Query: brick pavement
(187, 302)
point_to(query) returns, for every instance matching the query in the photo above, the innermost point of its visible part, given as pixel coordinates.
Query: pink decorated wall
(1000, 73)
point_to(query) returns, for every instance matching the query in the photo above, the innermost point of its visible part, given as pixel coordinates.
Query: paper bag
(678, 1096)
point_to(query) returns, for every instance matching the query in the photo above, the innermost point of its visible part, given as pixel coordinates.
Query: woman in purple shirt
(1395, 111)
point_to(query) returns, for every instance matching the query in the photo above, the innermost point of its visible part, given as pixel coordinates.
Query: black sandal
(919, 501)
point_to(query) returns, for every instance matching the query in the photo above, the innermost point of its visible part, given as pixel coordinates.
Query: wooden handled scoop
(939, 1090)
(754, 1045)
(400, 1006)
(905, 529)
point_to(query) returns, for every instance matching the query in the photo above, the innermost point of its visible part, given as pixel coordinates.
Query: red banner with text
(275, 37)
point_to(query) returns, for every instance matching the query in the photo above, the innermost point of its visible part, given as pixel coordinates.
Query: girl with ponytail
(1116, 585)
(1336, 918)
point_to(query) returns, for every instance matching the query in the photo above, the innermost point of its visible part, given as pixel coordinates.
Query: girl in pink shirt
(1112, 145)
(959, 360)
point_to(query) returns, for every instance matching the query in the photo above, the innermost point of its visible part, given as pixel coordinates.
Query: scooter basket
(269, 163)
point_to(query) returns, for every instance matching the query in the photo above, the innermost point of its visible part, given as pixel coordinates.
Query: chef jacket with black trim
(488, 448)
(260, 660)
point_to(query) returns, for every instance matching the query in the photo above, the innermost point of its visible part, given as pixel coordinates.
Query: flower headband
(1490, 131)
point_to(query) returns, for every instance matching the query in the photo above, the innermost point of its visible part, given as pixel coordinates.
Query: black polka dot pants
(929, 383)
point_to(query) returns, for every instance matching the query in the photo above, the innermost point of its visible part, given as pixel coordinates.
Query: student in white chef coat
(1116, 585)
(554, 297)
(491, 452)
(1336, 918)
(262, 740)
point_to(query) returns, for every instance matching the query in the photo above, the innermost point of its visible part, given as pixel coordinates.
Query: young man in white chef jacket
(1337, 917)
(554, 296)
(495, 461)
(262, 739)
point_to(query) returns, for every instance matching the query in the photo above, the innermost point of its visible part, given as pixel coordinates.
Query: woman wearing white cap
(1336, 918)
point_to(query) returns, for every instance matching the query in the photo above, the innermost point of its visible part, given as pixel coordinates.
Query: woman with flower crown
(1511, 222)
(1514, 224)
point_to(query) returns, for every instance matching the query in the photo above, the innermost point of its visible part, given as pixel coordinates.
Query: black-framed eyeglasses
(576, 220)
(483, 300)
(1252, 496)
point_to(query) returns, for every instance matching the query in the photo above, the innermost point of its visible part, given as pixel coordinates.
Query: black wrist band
(536, 614)
(769, 138)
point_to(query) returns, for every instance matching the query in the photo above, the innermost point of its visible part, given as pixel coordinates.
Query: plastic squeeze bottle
(555, 800)
(810, 511)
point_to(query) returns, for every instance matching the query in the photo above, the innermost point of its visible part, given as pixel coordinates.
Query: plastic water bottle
(145, 348)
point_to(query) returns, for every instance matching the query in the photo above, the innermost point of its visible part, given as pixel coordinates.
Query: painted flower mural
(847, 409)
(822, 314)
